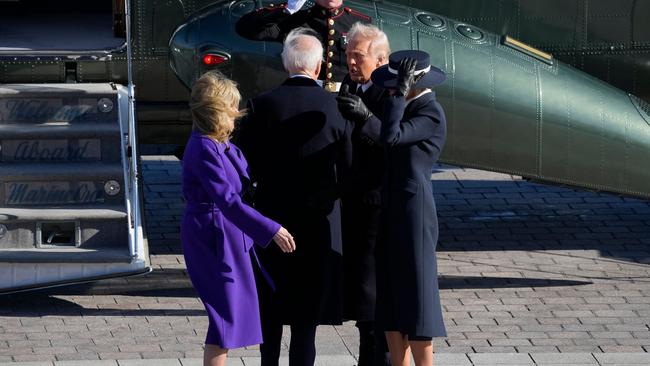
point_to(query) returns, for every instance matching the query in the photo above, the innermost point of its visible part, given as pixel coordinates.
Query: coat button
(329, 75)
(332, 32)
(330, 42)
(329, 65)
(330, 54)
(331, 21)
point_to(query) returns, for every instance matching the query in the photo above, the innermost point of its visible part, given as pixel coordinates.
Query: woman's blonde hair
(214, 106)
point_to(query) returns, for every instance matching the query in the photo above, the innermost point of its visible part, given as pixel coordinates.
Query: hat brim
(387, 80)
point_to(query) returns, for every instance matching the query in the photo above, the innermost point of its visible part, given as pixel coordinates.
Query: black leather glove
(405, 76)
(351, 106)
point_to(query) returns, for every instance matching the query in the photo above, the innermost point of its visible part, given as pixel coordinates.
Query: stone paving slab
(496, 359)
(525, 268)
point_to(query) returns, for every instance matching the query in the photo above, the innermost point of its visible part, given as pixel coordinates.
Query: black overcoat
(408, 298)
(298, 147)
(361, 212)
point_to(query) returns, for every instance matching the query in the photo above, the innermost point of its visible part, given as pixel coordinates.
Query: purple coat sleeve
(258, 227)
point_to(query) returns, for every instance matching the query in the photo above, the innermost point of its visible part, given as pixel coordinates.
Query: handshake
(351, 106)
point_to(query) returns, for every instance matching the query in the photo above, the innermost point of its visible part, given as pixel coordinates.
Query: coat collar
(422, 100)
(373, 94)
(231, 152)
(298, 81)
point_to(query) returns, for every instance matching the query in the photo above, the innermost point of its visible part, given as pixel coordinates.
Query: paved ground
(529, 274)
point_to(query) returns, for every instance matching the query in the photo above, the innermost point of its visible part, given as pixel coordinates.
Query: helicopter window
(529, 50)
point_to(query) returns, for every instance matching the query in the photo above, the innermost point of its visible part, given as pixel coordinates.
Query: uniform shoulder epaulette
(357, 14)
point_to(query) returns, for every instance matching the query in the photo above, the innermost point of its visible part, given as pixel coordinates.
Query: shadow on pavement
(469, 282)
(479, 215)
(174, 283)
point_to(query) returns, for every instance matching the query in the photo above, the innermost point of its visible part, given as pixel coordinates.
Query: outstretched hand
(284, 240)
(406, 76)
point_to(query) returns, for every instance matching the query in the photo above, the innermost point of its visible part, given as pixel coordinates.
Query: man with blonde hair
(297, 145)
(361, 102)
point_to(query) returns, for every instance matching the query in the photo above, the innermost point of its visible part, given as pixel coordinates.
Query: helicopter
(84, 85)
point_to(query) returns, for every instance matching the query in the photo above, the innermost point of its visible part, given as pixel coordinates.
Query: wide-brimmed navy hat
(386, 75)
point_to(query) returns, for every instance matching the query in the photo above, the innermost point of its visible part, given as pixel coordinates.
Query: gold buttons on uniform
(329, 65)
(329, 75)
(330, 54)
(330, 86)
(331, 21)
(331, 32)
(330, 42)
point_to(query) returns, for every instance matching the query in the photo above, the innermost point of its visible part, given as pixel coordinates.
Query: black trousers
(302, 349)
(373, 349)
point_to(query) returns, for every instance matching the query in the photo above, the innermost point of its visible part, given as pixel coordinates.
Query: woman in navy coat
(218, 229)
(413, 133)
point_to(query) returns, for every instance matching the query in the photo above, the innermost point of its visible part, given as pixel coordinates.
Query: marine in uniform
(329, 19)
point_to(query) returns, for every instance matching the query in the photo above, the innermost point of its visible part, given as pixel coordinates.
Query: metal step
(60, 172)
(57, 130)
(59, 148)
(86, 227)
(66, 255)
(42, 184)
(86, 213)
(75, 103)
(64, 215)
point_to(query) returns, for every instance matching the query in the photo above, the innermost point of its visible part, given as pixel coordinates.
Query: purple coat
(218, 231)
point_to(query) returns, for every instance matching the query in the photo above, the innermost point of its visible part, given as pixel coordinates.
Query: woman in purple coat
(218, 229)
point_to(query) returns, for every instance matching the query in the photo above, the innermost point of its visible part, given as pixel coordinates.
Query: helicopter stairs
(68, 208)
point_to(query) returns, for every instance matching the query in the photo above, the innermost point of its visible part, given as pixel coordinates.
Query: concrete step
(75, 103)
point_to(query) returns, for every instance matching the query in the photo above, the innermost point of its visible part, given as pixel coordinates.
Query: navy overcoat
(298, 147)
(408, 298)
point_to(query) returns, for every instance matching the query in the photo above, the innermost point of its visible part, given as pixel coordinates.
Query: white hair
(302, 51)
(379, 46)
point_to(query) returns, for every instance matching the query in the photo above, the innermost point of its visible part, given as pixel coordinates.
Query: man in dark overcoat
(298, 145)
(328, 18)
(362, 102)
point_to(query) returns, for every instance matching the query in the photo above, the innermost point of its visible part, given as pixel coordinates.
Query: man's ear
(320, 64)
(380, 62)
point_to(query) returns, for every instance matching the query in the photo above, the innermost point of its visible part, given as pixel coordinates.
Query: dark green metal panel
(472, 131)
(33, 72)
(640, 24)
(395, 20)
(94, 71)
(165, 17)
(583, 33)
(556, 132)
(514, 131)
(566, 23)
